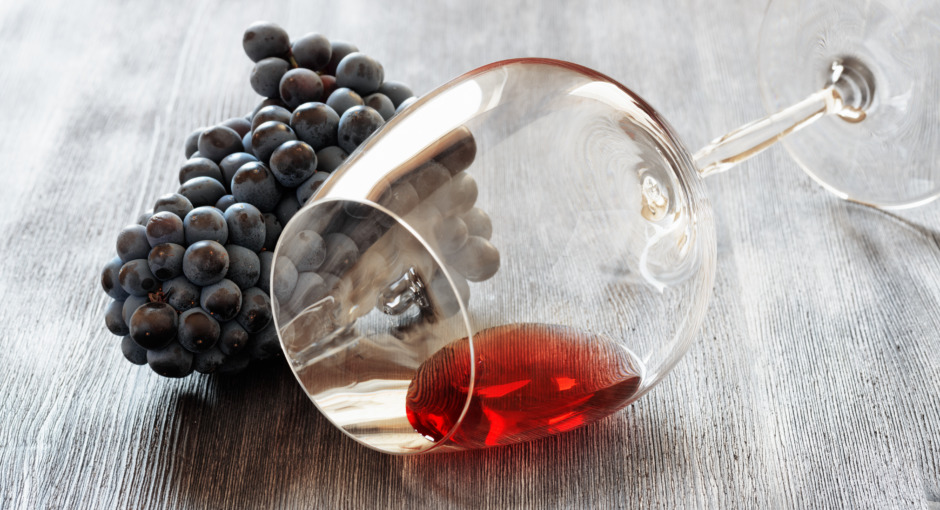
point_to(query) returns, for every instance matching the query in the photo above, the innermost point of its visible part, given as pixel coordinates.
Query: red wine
(532, 380)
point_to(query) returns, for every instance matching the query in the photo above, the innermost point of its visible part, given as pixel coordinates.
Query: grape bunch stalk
(190, 284)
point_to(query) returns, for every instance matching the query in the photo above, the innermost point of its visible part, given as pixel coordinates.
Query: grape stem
(291, 60)
(159, 296)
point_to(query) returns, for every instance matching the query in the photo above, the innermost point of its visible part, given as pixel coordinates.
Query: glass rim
(688, 178)
(432, 446)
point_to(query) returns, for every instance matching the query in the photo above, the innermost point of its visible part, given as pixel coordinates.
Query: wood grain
(815, 381)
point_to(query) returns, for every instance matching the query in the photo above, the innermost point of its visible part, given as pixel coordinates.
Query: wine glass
(528, 248)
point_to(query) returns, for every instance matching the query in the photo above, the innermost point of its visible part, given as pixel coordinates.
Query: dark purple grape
(341, 253)
(477, 260)
(198, 332)
(153, 325)
(269, 113)
(330, 158)
(110, 279)
(205, 223)
(181, 293)
(166, 261)
(285, 278)
(132, 243)
(191, 145)
(396, 91)
(256, 310)
(270, 101)
(231, 164)
(306, 250)
(451, 234)
(174, 203)
(165, 227)
(131, 304)
(315, 124)
(255, 184)
(330, 281)
(235, 364)
(309, 187)
(380, 103)
(357, 124)
(244, 266)
(222, 300)
(171, 361)
(269, 136)
(202, 191)
(263, 39)
(293, 162)
(343, 99)
(459, 154)
(245, 226)
(400, 198)
(114, 318)
(458, 196)
(312, 51)
(310, 288)
(367, 232)
(233, 338)
(265, 344)
(329, 84)
(144, 218)
(210, 361)
(266, 259)
(478, 223)
(286, 208)
(266, 76)
(246, 143)
(356, 210)
(205, 263)
(219, 141)
(199, 167)
(133, 352)
(359, 72)
(136, 278)
(272, 231)
(238, 124)
(299, 86)
(443, 300)
(428, 178)
(339, 50)
(225, 202)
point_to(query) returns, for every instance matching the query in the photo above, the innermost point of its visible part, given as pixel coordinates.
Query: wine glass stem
(750, 139)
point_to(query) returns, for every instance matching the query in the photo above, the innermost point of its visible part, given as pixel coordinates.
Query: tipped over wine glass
(528, 248)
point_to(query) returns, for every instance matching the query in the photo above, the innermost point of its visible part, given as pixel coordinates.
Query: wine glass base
(889, 156)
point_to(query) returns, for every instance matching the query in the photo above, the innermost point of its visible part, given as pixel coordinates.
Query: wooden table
(815, 381)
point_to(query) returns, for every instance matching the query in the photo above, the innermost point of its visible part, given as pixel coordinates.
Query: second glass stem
(750, 139)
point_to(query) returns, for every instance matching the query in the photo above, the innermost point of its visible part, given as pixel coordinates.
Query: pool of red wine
(532, 381)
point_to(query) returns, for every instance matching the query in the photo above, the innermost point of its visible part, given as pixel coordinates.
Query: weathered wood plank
(815, 381)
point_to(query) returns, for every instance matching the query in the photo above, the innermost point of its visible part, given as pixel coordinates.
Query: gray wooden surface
(815, 381)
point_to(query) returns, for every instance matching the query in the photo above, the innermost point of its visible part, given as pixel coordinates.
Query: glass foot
(889, 156)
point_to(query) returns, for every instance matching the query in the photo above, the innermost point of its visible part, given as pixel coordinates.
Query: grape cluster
(190, 281)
